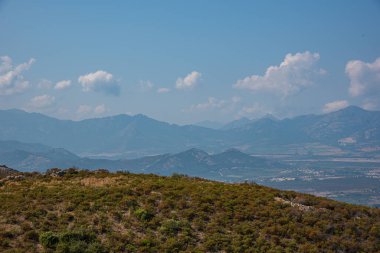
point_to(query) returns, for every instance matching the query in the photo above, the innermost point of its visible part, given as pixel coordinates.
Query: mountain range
(193, 162)
(124, 136)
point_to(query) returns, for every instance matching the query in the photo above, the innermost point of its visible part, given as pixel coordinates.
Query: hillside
(5, 171)
(81, 211)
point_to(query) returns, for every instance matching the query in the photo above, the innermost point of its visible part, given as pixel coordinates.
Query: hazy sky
(189, 61)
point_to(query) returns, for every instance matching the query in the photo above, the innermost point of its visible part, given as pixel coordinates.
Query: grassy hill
(83, 211)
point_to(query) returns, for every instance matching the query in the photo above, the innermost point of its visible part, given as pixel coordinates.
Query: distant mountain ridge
(124, 136)
(349, 128)
(194, 161)
(120, 133)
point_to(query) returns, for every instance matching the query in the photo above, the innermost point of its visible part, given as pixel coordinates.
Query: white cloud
(42, 101)
(61, 85)
(101, 81)
(146, 85)
(294, 72)
(253, 111)
(364, 77)
(84, 109)
(370, 104)
(11, 78)
(189, 81)
(335, 106)
(89, 110)
(212, 103)
(92, 78)
(163, 90)
(100, 109)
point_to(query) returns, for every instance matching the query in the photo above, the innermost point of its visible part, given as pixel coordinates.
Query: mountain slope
(79, 211)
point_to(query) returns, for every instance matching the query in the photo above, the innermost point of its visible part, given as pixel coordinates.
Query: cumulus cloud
(294, 72)
(163, 90)
(189, 81)
(100, 81)
(61, 85)
(364, 77)
(11, 77)
(335, 106)
(42, 101)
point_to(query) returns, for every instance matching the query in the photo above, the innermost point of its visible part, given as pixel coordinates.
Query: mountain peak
(349, 110)
(194, 152)
(353, 108)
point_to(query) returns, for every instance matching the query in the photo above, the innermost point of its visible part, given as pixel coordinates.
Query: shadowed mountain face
(135, 136)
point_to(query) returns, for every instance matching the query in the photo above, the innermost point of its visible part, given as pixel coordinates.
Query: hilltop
(98, 211)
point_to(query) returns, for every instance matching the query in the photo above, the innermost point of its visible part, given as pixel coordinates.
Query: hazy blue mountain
(209, 124)
(7, 146)
(237, 123)
(194, 161)
(244, 121)
(350, 127)
(125, 136)
(136, 135)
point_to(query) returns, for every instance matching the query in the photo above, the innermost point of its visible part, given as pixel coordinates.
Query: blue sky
(189, 61)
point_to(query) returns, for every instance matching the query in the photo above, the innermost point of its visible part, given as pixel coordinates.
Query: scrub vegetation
(97, 211)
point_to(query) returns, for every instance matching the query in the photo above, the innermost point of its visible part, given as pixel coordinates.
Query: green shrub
(32, 235)
(170, 227)
(79, 235)
(144, 215)
(49, 240)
